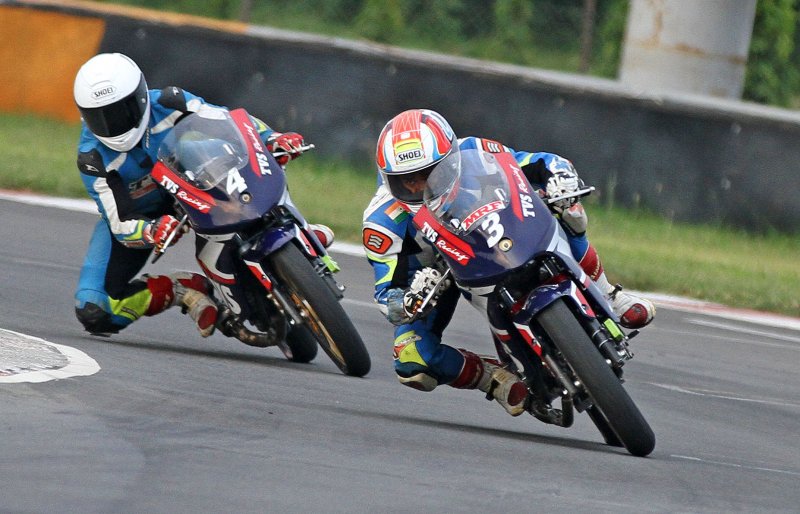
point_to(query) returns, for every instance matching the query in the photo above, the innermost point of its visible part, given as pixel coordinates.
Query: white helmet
(112, 97)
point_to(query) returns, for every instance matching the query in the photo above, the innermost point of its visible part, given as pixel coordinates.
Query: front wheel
(609, 397)
(300, 344)
(321, 311)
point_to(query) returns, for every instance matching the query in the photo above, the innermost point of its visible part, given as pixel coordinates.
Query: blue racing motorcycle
(272, 277)
(552, 326)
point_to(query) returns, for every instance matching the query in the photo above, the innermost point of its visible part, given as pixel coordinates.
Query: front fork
(511, 320)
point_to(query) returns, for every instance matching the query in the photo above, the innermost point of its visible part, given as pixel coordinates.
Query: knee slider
(420, 381)
(411, 368)
(95, 320)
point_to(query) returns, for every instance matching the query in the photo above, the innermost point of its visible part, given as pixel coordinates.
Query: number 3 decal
(491, 225)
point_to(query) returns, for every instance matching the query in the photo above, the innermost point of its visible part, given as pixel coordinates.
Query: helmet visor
(408, 187)
(119, 117)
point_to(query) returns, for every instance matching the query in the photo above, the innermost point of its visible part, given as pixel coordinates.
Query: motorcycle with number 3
(553, 326)
(271, 275)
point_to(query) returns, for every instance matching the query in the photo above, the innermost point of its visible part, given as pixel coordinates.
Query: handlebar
(302, 149)
(580, 192)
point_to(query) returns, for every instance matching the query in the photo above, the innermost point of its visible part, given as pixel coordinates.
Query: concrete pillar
(688, 46)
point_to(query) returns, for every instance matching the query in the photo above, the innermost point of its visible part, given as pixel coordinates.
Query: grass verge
(639, 250)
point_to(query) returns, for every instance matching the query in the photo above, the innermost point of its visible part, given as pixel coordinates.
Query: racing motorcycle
(552, 325)
(272, 277)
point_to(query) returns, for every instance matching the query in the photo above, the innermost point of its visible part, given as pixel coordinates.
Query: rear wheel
(614, 404)
(321, 311)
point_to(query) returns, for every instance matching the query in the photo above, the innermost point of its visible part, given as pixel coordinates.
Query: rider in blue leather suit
(123, 125)
(408, 147)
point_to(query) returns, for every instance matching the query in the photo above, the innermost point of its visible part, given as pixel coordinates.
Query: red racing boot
(190, 290)
(323, 233)
(633, 311)
(498, 383)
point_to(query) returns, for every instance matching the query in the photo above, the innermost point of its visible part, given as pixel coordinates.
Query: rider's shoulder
(93, 156)
(174, 98)
(90, 162)
(384, 209)
(481, 143)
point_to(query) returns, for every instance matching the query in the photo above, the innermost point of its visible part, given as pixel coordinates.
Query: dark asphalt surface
(176, 423)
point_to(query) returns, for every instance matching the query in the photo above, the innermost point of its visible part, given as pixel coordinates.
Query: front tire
(323, 314)
(609, 397)
(300, 345)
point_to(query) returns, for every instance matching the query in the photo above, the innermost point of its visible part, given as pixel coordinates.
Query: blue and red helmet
(409, 146)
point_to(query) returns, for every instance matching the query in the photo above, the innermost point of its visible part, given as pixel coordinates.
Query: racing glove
(561, 183)
(403, 305)
(158, 231)
(285, 146)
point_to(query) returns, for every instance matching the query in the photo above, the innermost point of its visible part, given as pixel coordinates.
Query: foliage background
(539, 33)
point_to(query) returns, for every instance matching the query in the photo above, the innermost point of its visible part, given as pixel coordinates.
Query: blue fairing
(528, 238)
(269, 241)
(493, 211)
(230, 212)
(221, 171)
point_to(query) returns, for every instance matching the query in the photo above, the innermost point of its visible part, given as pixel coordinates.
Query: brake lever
(161, 249)
(423, 306)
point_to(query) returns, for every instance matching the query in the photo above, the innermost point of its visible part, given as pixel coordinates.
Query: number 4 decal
(235, 182)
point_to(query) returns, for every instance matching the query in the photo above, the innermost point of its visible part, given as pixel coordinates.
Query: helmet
(409, 146)
(112, 97)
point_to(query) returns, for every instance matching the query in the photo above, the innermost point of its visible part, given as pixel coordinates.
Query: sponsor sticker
(376, 242)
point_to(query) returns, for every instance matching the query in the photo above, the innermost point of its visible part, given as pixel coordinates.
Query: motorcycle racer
(123, 124)
(405, 266)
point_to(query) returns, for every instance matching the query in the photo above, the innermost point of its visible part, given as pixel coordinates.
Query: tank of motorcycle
(485, 218)
(216, 165)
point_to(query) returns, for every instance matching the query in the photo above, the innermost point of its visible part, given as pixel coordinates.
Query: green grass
(639, 250)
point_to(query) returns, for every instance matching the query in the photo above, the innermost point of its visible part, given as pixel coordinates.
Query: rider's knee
(96, 320)
(411, 368)
(420, 381)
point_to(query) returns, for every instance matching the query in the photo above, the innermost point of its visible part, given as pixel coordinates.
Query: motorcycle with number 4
(553, 326)
(272, 277)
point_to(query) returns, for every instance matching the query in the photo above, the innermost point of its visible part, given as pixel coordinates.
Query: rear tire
(323, 315)
(609, 397)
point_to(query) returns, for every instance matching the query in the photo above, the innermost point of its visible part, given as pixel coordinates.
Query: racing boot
(489, 376)
(323, 233)
(190, 290)
(633, 311)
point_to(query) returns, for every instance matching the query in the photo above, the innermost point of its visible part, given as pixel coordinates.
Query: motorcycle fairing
(542, 296)
(268, 241)
(239, 199)
(524, 226)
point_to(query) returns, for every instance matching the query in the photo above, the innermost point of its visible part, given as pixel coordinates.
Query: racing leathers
(130, 203)
(396, 252)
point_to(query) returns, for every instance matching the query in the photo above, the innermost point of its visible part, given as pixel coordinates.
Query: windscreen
(465, 187)
(204, 147)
